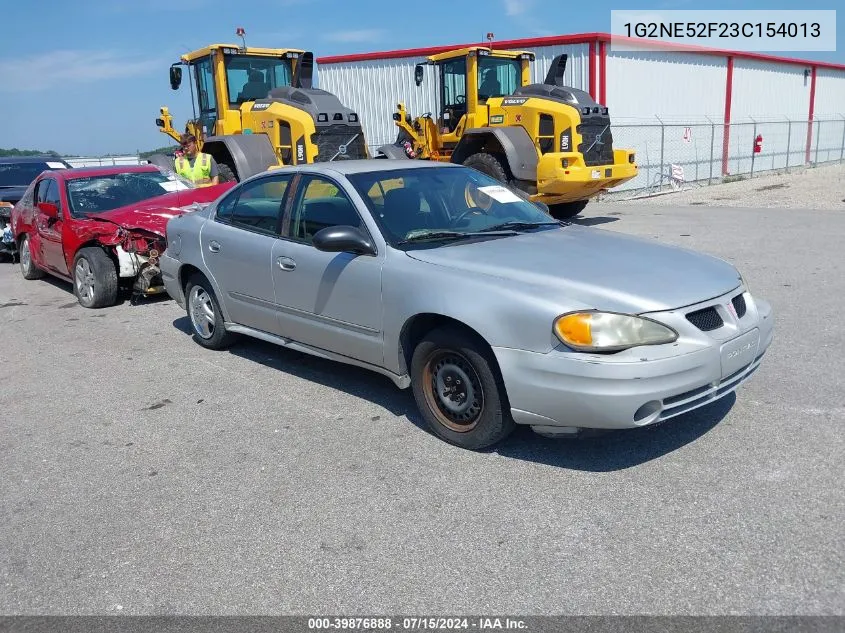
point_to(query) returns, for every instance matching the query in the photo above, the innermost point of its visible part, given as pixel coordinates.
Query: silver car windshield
(440, 202)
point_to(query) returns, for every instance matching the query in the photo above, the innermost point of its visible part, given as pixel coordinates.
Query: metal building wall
(372, 88)
(667, 106)
(770, 99)
(828, 142)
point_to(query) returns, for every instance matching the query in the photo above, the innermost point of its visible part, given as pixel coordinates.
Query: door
(453, 97)
(206, 95)
(329, 300)
(237, 247)
(50, 229)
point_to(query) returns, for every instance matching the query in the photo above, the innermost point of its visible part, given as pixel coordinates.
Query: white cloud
(361, 35)
(58, 68)
(517, 7)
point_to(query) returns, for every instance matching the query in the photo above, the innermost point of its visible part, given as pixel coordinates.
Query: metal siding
(829, 127)
(830, 93)
(677, 87)
(372, 88)
(577, 72)
(769, 93)
(769, 90)
(644, 85)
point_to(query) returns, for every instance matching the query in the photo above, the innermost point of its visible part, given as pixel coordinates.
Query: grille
(706, 319)
(329, 139)
(596, 153)
(739, 305)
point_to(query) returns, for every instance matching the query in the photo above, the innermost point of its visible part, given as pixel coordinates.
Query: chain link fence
(676, 155)
(673, 156)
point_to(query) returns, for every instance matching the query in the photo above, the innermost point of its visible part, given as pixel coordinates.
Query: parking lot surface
(143, 474)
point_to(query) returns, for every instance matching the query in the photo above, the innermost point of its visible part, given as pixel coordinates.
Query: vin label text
(749, 31)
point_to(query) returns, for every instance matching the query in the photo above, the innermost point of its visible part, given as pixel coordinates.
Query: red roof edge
(576, 38)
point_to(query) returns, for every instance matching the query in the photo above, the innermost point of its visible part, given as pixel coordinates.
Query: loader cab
(227, 76)
(468, 78)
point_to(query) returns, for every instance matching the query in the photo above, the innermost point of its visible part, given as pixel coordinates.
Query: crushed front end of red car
(136, 235)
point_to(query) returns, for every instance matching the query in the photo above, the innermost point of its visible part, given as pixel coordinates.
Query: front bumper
(565, 391)
(556, 184)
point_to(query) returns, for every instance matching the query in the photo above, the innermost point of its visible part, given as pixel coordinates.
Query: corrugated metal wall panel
(373, 88)
(577, 72)
(830, 93)
(769, 91)
(687, 92)
(677, 87)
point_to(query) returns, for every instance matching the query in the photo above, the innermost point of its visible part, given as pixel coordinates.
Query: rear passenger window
(257, 206)
(322, 205)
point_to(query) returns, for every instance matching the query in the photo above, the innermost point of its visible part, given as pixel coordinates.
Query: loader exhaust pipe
(555, 75)
(303, 76)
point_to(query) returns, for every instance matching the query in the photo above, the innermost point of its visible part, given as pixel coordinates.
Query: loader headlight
(593, 331)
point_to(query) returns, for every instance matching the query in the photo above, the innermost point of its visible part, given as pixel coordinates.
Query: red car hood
(153, 214)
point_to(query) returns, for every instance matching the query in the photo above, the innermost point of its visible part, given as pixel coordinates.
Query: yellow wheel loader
(549, 140)
(255, 108)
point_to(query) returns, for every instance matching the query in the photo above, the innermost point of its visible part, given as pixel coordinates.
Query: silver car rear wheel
(205, 315)
(201, 311)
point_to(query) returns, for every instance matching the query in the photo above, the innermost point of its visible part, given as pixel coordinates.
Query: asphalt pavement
(143, 474)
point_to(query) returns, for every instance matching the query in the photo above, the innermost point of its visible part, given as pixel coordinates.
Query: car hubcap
(25, 254)
(202, 312)
(84, 280)
(453, 391)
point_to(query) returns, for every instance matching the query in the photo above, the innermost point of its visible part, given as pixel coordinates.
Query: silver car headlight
(593, 331)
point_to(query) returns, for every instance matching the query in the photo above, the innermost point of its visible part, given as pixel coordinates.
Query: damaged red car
(102, 228)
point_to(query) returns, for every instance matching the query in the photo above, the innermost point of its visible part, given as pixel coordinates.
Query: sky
(88, 78)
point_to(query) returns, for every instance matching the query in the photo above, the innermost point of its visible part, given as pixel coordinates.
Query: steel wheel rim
(25, 255)
(453, 391)
(84, 278)
(202, 312)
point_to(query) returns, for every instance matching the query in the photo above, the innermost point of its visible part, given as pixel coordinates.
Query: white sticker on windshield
(54, 165)
(173, 185)
(500, 194)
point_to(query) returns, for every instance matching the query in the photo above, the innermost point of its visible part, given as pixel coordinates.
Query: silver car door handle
(214, 247)
(286, 263)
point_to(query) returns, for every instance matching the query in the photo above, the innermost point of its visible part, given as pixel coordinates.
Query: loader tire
(488, 164)
(226, 173)
(567, 210)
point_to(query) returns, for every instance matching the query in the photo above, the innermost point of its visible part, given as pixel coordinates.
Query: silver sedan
(457, 286)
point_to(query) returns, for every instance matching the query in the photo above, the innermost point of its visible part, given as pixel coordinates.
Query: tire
(482, 418)
(490, 165)
(226, 174)
(94, 278)
(28, 268)
(205, 315)
(567, 210)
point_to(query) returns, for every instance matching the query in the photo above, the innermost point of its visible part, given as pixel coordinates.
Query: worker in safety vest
(198, 167)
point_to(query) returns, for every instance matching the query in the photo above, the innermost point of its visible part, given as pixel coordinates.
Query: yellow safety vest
(200, 174)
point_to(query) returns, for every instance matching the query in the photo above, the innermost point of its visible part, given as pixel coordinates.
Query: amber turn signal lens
(575, 329)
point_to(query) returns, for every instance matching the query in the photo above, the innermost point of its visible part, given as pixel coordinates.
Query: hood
(154, 213)
(12, 194)
(600, 268)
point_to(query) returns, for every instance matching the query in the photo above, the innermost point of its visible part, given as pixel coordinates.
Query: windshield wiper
(515, 225)
(450, 235)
